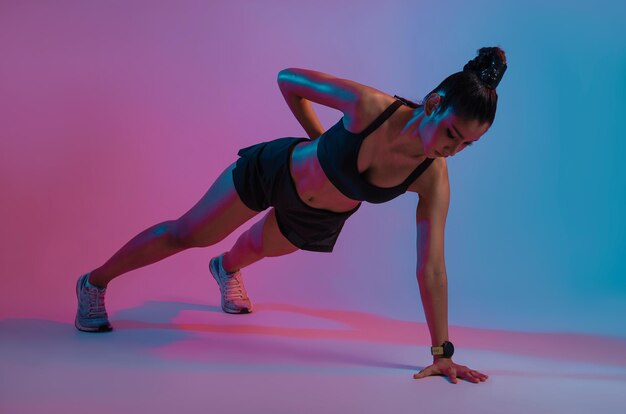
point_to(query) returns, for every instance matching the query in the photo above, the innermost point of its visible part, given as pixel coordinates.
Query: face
(444, 134)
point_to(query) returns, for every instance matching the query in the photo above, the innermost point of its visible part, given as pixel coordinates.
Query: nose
(454, 149)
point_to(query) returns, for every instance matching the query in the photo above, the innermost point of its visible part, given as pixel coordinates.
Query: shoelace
(96, 303)
(233, 288)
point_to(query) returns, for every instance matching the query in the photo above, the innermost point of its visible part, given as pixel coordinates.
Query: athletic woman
(382, 147)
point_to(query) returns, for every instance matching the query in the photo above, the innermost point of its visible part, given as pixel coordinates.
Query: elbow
(432, 280)
(281, 75)
(284, 75)
(432, 272)
(437, 277)
(283, 80)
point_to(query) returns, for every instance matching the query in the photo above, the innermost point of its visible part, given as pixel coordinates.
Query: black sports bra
(338, 151)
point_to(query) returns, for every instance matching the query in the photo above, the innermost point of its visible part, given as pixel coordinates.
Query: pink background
(117, 115)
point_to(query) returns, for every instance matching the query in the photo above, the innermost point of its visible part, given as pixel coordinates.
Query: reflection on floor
(183, 357)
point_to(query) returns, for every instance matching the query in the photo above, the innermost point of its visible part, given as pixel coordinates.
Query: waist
(312, 185)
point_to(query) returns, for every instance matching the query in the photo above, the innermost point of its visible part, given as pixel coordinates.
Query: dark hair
(472, 92)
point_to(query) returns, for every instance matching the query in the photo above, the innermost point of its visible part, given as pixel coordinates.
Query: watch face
(448, 349)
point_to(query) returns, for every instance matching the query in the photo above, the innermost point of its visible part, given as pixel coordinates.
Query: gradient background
(118, 115)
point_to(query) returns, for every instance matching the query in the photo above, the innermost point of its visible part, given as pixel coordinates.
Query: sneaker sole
(82, 328)
(227, 310)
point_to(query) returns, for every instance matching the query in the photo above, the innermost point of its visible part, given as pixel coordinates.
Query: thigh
(267, 238)
(218, 213)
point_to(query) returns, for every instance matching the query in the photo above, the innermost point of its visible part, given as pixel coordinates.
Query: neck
(408, 131)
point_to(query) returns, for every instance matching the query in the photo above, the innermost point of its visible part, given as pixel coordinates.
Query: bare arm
(306, 116)
(432, 211)
(431, 214)
(300, 87)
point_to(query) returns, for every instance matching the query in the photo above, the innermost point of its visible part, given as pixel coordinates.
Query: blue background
(120, 115)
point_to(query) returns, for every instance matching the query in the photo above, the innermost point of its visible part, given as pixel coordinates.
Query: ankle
(226, 265)
(95, 282)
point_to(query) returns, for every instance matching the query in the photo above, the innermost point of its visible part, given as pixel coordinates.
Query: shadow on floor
(284, 333)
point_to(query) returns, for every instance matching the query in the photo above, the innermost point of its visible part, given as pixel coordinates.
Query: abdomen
(312, 184)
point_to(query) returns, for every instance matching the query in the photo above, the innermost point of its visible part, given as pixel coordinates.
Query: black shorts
(262, 179)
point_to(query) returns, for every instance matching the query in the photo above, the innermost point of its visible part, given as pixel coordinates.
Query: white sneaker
(234, 296)
(91, 316)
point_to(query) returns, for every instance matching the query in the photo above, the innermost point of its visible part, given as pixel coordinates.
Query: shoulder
(370, 104)
(432, 181)
(352, 98)
(360, 103)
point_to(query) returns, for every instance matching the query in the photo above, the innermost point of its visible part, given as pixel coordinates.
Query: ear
(432, 103)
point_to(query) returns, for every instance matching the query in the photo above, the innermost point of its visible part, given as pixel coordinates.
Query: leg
(263, 239)
(215, 216)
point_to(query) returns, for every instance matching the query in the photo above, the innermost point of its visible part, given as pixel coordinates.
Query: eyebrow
(457, 131)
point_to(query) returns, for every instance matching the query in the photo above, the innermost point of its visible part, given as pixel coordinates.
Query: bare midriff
(388, 168)
(313, 186)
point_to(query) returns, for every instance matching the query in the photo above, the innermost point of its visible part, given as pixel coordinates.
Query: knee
(183, 237)
(168, 230)
(253, 239)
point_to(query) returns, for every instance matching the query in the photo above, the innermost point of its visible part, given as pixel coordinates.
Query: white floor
(175, 357)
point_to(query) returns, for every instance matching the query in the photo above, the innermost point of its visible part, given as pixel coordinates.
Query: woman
(382, 147)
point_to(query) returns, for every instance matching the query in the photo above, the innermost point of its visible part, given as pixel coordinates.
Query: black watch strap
(445, 350)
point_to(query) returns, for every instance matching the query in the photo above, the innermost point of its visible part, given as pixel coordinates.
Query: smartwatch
(446, 350)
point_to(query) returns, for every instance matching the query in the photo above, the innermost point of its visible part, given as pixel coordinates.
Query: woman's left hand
(445, 367)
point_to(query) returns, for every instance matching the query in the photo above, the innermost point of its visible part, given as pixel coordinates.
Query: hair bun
(489, 66)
